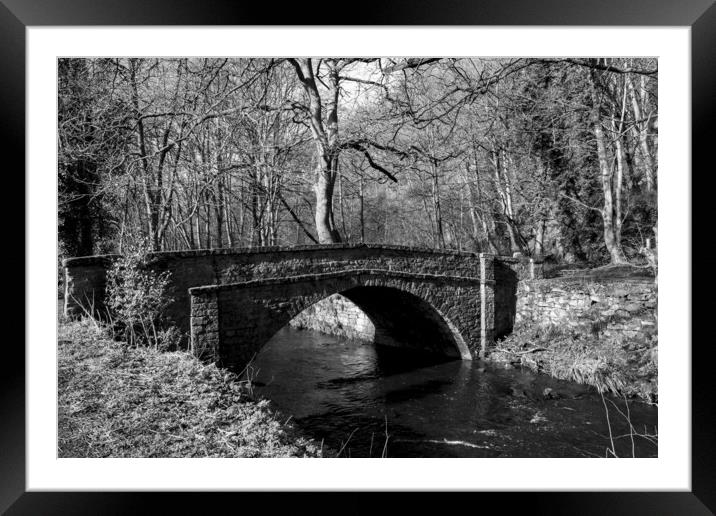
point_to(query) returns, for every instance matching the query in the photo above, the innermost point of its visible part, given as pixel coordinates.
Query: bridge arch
(436, 314)
(405, 319)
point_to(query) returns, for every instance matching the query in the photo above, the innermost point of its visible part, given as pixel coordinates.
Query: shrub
(136, 300)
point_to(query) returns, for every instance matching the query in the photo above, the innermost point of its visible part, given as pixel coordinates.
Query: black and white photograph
(427, 237)
(357, 257)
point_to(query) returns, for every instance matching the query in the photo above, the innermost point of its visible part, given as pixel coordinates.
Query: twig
(609, 425)
(631, 427)
(385, 445)
(533, 350)
(583, 204)
(346, 443)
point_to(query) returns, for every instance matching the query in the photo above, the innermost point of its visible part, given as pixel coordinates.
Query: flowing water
(370, 401)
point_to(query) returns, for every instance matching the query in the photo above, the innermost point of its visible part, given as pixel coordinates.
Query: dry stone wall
(612, 308)
(336, 315)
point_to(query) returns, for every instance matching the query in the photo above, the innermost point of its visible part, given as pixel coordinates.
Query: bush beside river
(120, 401)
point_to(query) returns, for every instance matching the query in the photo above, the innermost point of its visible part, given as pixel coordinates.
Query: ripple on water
(344, 392)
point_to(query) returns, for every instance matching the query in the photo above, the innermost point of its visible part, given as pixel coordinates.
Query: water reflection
(346, 393)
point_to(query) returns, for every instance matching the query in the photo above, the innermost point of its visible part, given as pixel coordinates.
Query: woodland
(548, 158)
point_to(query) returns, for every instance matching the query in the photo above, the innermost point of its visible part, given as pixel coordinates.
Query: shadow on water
(345, 393)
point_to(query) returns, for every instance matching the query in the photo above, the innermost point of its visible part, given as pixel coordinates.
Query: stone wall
(336, 315)
(508, 273)
(610, 307)
(85, 286)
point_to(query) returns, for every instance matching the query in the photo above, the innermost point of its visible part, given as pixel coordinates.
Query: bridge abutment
(204, 325)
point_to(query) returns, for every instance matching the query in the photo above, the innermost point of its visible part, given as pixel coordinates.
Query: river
(363, 400)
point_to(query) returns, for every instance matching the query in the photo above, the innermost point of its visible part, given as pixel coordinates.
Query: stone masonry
(336, 315)
(428, 313)
(612, 308)
(407, 293)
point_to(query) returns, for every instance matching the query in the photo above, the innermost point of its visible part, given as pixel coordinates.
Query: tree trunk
(539, 239)
(342, 210)
(150, 202)
(642, 127)
(325, 137)
(439, 233)
(504, 189)
(612, 235)
(362, 213)
(323, 188)
(477, 213)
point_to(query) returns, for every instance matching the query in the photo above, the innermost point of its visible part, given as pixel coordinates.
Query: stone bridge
(232, 301)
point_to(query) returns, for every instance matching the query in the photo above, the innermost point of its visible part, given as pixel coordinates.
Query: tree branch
(378, 167)
(598, 66)
(295, 217)
(598, 210)
(413, 62)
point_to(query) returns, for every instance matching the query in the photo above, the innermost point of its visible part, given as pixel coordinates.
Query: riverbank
(115, 401)
(597, 327)
(624, 366)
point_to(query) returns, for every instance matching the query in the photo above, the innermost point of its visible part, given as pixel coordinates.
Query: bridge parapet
(86, 277)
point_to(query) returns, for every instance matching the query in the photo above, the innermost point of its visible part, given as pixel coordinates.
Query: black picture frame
(700, 15)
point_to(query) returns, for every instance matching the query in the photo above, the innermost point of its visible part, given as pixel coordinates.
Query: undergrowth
(136, 300)
(115, 400)
(624, 367)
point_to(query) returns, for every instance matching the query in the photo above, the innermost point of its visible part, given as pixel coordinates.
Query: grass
(117, 401)
(624, 367)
